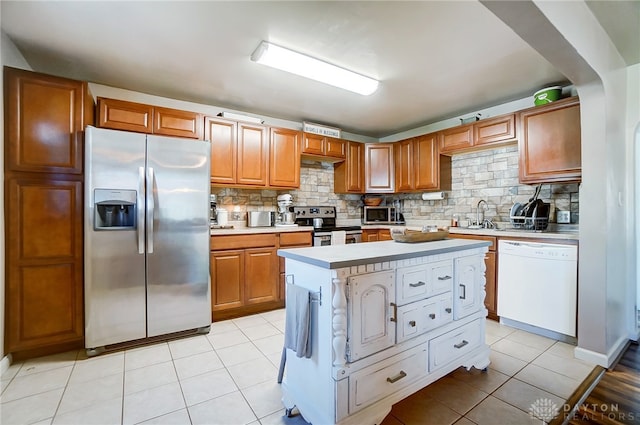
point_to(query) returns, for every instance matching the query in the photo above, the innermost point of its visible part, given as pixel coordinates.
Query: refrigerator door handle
(150, 209)
(140, 208)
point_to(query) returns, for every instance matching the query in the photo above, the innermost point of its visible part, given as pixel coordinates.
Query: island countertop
(339, 256)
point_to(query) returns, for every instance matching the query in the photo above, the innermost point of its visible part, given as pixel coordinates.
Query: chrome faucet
(479, 221)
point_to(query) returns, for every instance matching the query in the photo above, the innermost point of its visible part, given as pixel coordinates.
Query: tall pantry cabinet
(45, 117)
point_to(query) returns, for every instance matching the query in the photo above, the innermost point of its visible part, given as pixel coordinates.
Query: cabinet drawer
(455, 344)
(381, 379)
(412, 284)
(242, 241)
(441, 278)
(422, 316)
(295, 239)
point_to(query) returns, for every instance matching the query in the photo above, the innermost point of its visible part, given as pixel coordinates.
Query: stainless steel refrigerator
(146, 237)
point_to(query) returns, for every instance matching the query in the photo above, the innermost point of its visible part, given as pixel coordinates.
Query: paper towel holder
(433, 196)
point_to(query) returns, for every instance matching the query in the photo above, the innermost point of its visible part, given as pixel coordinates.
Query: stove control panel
(315, 212)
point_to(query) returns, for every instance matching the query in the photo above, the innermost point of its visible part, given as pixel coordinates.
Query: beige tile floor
(229, 377)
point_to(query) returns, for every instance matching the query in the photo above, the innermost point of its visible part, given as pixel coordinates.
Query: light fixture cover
(296, 63)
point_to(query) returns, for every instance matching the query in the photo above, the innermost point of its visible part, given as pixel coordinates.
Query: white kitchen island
(389, 319)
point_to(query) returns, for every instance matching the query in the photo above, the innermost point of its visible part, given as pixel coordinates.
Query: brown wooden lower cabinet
(247, 276)
(44, 288)
(490, 261)
(375, 235)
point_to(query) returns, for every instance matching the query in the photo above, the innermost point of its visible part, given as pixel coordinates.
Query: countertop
(339, 256)
(243, 230)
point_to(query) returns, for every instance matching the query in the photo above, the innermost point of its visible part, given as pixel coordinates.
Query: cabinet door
(371, 299)
(349, 175)
(369, 235)
(427, 162)
(490, 300)
(313, 144)
(253, 155)
(403, 153)
(379, 168)
(123, 115)
(44, 263)
(45, 119)
(224, 155)
(384, 235)
(174, 122)
(284, 158)
(467, 284)
(550, 148)
(456, 138)
(495, 130)
(335, 148)
(227, 279)
(261, 275)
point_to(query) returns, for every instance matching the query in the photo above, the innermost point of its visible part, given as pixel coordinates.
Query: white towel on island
(298, 321)
(338, 237)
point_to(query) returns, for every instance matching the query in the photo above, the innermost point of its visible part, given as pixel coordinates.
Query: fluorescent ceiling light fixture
(306, 66)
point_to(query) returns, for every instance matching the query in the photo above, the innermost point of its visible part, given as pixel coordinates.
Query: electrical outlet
(563, 216)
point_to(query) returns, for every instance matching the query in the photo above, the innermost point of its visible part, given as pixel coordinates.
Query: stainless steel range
(325, 231)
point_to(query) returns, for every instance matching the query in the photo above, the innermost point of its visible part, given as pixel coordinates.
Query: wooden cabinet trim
(296, 239)
(220, 242)
(456, 138)
(284, 158)
(349, 175)
(335, 148)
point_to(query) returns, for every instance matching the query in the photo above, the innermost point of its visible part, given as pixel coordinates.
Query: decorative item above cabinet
(139, 117)
(478, 135)
(549, 146)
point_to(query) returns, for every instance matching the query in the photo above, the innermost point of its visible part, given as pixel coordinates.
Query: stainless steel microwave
(378, 215)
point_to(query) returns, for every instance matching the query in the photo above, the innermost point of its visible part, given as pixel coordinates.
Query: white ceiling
(435, 59)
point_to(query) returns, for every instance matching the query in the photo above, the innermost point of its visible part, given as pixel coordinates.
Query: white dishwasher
(538, 284)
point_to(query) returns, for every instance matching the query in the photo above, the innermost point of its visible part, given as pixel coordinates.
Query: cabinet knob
(412, 323)
(448, 309)
(432, 315)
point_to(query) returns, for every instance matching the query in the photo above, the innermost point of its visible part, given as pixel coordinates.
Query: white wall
(607, 228)
(9, 56)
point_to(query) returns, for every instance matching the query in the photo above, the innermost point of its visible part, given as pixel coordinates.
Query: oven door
(321, 239)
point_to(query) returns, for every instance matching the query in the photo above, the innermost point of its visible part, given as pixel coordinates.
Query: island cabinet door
(371, 314)
(468, 282)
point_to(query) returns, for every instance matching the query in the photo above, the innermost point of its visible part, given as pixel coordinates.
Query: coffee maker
(213, 203)
(286, 217)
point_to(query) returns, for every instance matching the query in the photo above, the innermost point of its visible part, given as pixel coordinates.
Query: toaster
(261, 218)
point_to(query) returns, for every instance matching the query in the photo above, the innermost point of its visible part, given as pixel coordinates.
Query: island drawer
(446, 348)
(414, 283)
(421, 316)
(386, 377)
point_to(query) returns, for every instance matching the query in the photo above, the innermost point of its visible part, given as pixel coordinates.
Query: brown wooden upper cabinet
(480, 134)
(549, 146)
(379, 168)
(37, 101)
(239, 152)
(349, 175)
(326, 148)
(139, 117)
(419, 165)
(284, 158)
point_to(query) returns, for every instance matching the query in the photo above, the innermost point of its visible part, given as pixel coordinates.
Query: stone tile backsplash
(491, 175)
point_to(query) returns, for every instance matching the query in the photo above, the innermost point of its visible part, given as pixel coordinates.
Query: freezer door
(178, 186)
(114, 268)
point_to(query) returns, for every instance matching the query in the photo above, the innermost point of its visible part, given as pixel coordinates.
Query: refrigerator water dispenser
(115, 209)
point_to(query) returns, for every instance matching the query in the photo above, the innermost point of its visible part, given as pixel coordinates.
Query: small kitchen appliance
(286, 216)
(260, 218)
(324, 231)
(382, 215)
